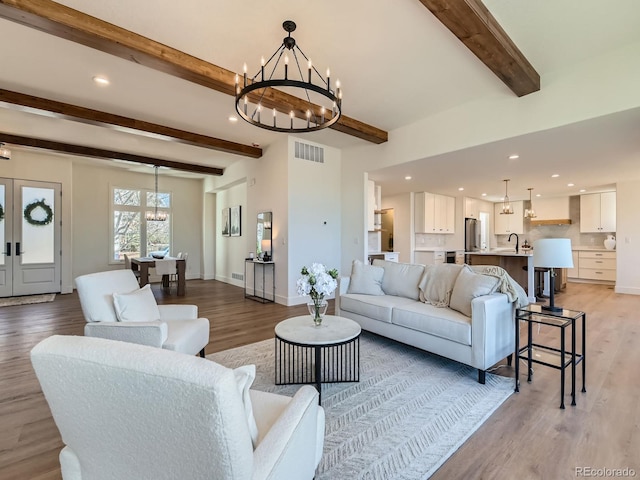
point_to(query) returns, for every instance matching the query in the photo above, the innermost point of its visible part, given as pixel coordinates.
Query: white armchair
(129, 411)
(177, 328)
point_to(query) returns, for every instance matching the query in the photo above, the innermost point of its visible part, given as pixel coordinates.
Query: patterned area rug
(410, 411)
(27, 300)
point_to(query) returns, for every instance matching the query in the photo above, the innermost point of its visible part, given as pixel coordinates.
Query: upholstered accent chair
(115, 307)
(129, 411)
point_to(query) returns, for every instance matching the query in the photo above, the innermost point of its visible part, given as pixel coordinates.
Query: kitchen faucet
(517, 240)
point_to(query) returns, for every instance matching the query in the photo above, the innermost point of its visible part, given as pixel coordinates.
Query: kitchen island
(512, 262)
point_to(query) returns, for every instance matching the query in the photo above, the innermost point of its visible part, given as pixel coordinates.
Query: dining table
(143, 264)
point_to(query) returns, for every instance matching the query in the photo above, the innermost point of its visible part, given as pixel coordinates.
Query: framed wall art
(226, 224)
(235, 221)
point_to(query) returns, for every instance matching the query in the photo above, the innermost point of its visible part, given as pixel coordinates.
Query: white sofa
(128, 411)
(450, 310)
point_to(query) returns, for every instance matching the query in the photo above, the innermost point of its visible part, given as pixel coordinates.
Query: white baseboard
(628, 290)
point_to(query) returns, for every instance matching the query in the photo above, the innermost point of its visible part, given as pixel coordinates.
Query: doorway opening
(387, 230)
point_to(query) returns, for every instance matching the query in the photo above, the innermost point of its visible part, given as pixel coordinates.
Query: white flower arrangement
(317, 282)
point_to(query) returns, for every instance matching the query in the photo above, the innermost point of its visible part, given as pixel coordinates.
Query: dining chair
(127, 266)
(173, 278)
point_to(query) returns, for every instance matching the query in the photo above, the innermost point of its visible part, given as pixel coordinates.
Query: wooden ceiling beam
(52, 108)
(64, 22)
(473, 24)
(103, 154)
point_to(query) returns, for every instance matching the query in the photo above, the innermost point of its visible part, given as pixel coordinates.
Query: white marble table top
(332, 330)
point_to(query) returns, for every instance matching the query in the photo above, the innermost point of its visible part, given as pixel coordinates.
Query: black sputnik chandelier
(311, 104)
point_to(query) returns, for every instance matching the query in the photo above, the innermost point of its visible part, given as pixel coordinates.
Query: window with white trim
(131, 232)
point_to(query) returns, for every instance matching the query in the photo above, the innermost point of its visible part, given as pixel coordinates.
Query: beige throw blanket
(438, 281)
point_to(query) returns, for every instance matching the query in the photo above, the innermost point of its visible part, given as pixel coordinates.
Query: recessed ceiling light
(460, 189)
(570, 184)
(515, 156)
(538, 194)
(484, 194)
(233, 118)
(102, 81)
(408, 177)
(582, 190)
(555, 175)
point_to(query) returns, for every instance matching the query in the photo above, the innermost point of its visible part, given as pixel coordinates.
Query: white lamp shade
(552, 253)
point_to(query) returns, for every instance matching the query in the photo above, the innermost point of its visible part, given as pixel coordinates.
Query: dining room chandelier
(5, 153)
(313, 102)
(530, 212)
(155, 215)
(507, 209)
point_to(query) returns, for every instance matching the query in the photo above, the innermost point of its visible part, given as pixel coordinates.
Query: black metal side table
(549, 356)
(257, 295)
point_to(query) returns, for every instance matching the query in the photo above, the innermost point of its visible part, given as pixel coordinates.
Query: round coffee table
(307, 354)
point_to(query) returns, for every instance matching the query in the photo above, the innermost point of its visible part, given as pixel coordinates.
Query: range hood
(559, 221)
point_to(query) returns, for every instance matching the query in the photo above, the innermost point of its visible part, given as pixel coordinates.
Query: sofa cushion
(437, 283)
(441, 322)
(400, 279)
(470, 285)
(365, 279)
(372, 306)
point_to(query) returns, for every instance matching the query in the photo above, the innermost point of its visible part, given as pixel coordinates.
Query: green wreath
(1, 213)
(28, 210)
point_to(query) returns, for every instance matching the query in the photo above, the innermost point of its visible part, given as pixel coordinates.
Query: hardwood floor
(528, 437)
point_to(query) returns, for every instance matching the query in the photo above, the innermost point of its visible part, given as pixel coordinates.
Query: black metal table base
(297, 363)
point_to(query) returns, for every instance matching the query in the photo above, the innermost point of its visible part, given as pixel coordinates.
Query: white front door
(30, 230)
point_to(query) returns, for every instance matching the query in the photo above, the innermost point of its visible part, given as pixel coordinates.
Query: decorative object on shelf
(610, 242)
(317, 282)
(552, 253)
(1, 212)
(155, 215)
(530, 212)
(236, 230)
(226, 225)
(318, 106)
(5, 153)
(29, 210)
(506, 204)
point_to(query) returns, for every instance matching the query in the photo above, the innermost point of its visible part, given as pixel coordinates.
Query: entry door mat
(27, 300)
(408, 414)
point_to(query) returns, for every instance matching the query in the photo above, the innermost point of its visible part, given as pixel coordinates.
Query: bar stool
(538, 280)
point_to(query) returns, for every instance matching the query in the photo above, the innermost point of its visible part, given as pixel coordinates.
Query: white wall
(314, 226)
(231, 251)
(628, 237)
(596, 87)
(91, 215)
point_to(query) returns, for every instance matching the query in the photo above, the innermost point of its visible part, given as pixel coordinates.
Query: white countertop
(438, 249)
(502, 253)
(591, 248)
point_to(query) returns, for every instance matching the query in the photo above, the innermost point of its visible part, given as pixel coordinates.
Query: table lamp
(265, 246)
(552, 253)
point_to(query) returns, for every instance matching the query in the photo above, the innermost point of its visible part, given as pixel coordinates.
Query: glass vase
(317, 309)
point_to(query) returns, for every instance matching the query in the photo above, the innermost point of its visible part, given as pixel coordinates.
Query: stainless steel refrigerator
(471, 235)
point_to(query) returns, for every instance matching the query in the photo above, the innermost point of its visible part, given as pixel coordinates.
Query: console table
(550, 356)
(257, 295)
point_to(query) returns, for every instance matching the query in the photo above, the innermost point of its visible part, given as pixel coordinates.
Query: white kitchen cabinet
(598, 212)
(434, 213)
(574, 272)
(428, 258)
(597, 265)
(459, 257)
(507, 224)
(388, 256)
(471, 208)
(551, 210)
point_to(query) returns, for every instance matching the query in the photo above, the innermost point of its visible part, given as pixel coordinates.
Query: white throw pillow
(470, 285)
(245, 376)
(400, 279)
(365, 279)
(137, 306)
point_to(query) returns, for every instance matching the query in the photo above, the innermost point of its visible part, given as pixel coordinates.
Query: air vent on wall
(237, 276)
(304, 151)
